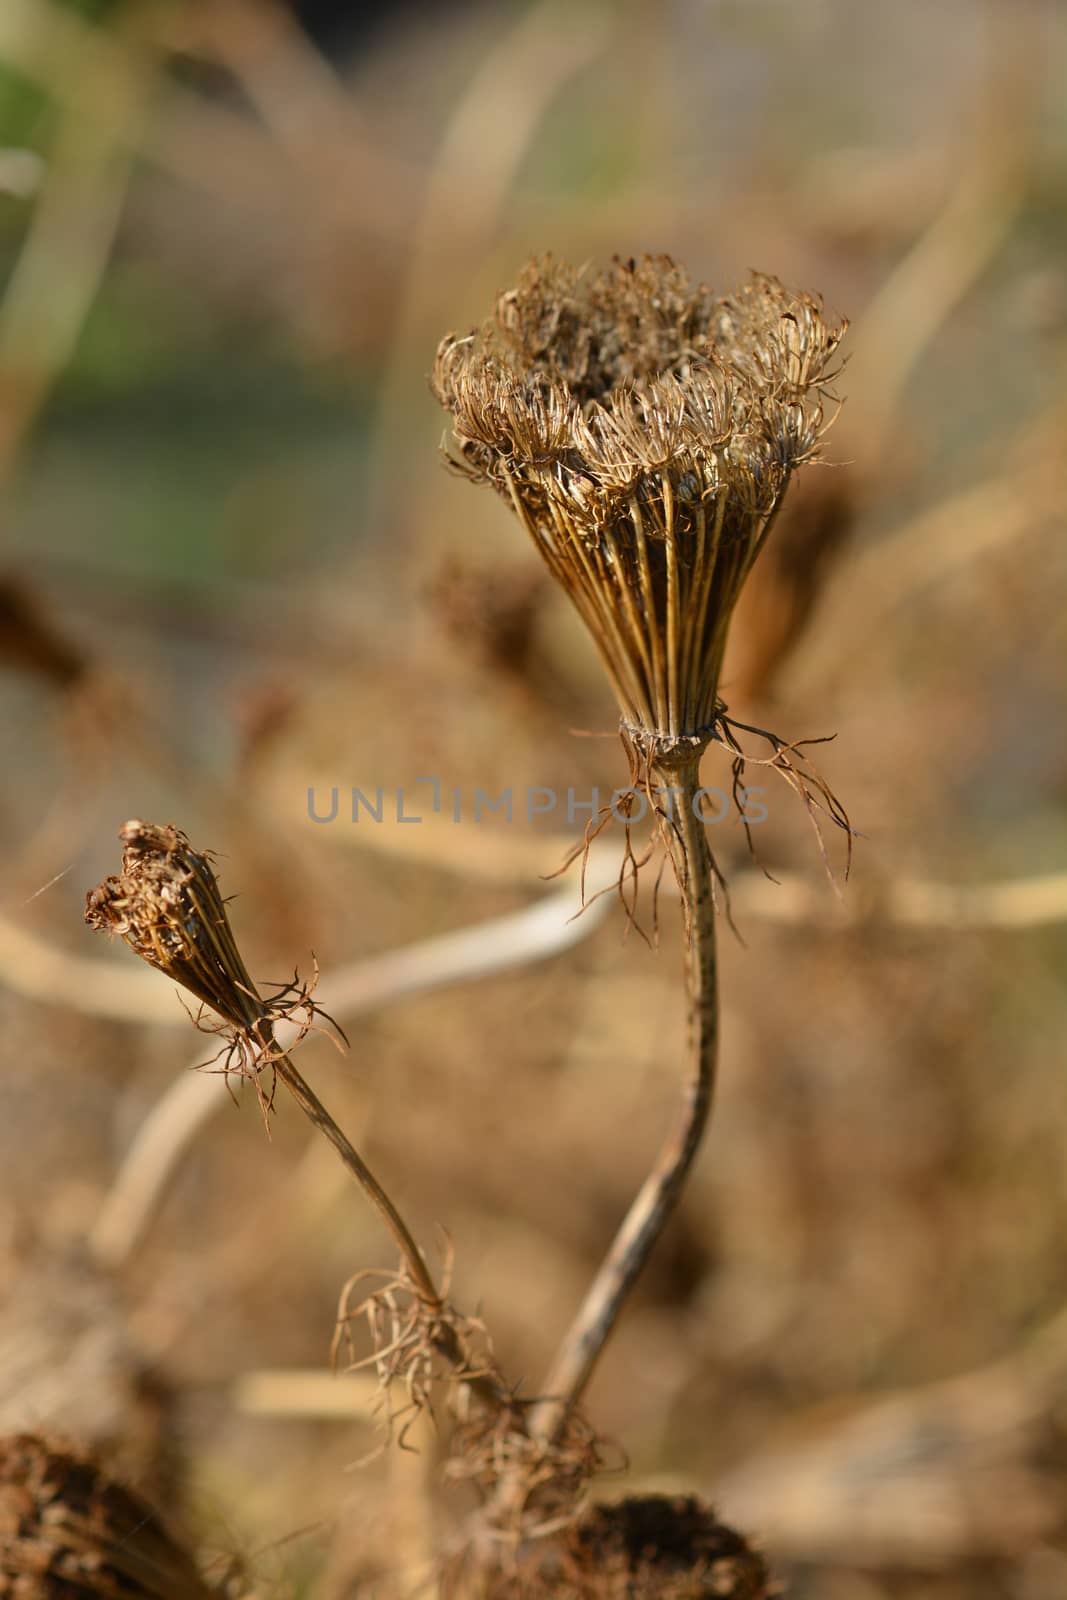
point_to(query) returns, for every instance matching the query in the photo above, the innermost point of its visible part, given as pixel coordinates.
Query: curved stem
(313, 1108)
(485, 1389)
(658, 1195)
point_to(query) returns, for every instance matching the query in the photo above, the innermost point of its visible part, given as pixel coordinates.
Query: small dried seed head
(166, 904)
(644, 431)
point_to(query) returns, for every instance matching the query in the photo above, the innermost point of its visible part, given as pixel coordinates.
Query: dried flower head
(167, 906)
(644, 431)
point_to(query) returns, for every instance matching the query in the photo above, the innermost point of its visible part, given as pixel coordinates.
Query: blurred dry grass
(235, 570)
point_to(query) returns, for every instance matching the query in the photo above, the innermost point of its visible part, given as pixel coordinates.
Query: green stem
(659, 1194)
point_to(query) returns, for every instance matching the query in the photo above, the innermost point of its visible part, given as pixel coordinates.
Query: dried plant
(167, 906)
(406, 1348)
(644, 431)
(69, 1532)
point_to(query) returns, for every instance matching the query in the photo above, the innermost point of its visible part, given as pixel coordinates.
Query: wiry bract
(644, 431)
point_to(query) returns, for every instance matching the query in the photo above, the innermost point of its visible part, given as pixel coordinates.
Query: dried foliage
(534, 1484)
(418, 1348)
(167, 906)
(644, 431)
(68, 1532)
(414, 1344)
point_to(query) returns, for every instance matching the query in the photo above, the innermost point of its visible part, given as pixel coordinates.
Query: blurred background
(231, 235)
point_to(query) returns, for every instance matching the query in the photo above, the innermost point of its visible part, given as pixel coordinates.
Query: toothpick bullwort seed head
(644, 431)
(166, 905)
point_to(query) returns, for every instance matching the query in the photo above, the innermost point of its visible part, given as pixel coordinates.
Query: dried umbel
(167, 906)
(68, 1532)
(644, 431)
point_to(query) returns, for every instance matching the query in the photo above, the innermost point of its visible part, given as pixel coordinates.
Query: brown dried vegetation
(68, 1532)
(644, 431)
